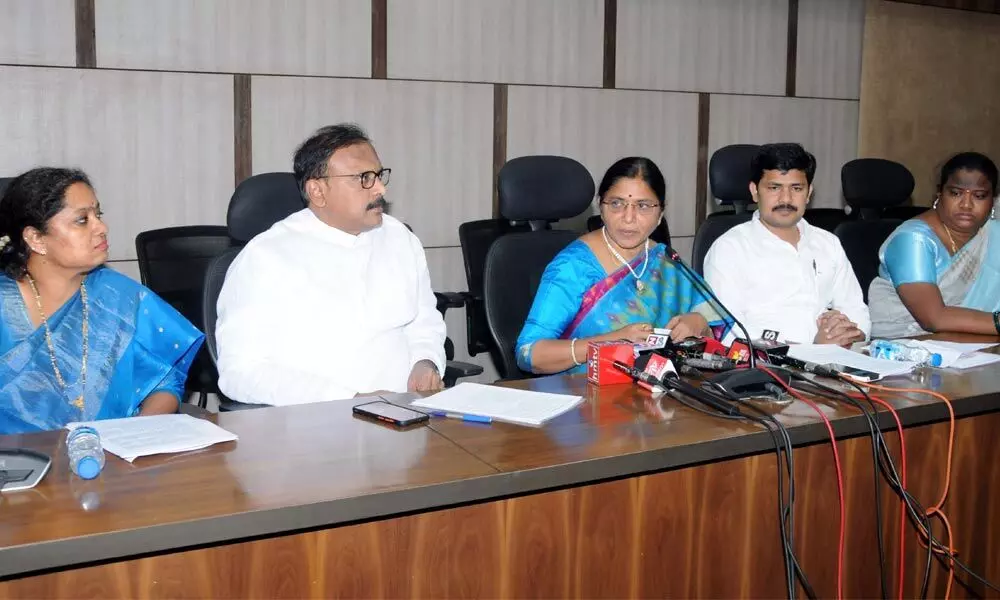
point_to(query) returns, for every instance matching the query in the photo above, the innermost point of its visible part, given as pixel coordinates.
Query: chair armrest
(446, 300)
(462, 369)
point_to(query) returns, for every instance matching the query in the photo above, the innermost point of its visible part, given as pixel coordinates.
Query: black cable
(914, 510)
(792, 567)
(968, 570)
(916, 513)
(783, 510)
(875, 433)
(788, 512)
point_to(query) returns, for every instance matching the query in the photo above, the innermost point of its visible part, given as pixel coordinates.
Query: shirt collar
(761, 230)
(306, 220)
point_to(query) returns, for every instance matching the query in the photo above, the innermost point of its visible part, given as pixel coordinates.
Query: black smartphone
(856, 374)
(390, 413)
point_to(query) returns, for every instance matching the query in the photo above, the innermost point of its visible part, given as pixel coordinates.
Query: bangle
(996, 321)
(572, 351)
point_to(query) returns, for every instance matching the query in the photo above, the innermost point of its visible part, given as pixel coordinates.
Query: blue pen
(467, 418)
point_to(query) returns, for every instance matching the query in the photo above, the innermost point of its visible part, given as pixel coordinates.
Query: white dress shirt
(310, 313)
(770, 284)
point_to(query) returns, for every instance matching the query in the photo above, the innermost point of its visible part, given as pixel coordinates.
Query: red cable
(840, 477)
(902, 503)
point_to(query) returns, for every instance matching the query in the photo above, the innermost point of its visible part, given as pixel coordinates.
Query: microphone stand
(751, 378)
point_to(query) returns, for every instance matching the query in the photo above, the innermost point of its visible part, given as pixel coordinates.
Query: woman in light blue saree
(614, 283)
(78, 341)
(941, 270)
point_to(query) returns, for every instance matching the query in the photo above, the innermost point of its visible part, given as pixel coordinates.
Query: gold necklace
(52, 350)
(954, 246)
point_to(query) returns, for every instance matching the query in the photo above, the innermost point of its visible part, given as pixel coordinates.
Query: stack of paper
(824, 354)
(960, 356)
(133, 437)
(500, 404)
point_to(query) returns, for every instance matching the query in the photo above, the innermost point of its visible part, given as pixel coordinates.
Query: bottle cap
(935, 360)
(88, 467)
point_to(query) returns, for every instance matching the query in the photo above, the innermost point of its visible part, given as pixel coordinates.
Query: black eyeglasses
(368, 177)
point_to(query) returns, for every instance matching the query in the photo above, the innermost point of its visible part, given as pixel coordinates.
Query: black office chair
(870, 186)
(538, 190)
(476, 237)
(827, 218)
(904, 212)
(729, 179)
(172, 263)
(257, 203)
(4, 182)
(660, 235)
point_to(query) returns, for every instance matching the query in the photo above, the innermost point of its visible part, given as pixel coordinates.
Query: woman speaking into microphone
(614, 283)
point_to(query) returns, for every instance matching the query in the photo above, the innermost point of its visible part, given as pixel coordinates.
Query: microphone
(696, 279)
(808, 367)
(637, 374)
(672, 382)
(709, 362)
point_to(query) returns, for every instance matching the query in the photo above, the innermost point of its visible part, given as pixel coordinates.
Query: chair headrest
(544, 188)
(261, 201)
(875, 183)
(729, 173)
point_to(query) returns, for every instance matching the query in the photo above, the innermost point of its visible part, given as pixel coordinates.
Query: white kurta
(310, 313)
(770, 284)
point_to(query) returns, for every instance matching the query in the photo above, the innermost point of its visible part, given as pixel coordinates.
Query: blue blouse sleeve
(556, 303)
(910, 258)
(163, 338)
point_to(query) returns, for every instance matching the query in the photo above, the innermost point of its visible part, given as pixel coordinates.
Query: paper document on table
(958, 347)
(960, 356)
(501, 404)
(831, 354)
(133, 437)
(975, 359)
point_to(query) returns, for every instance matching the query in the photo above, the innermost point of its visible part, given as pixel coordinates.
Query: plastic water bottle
(904, 351)
(86, 456)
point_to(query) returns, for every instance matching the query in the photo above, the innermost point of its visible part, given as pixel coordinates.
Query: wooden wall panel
(448, 275)
(702, 45)
(929, 87)
(436, 137)
(827, 128)
(158, 146)
(597, 127)
(302, 37)
(828, 58)
(555, 42)
(987, 6)
(37, 32)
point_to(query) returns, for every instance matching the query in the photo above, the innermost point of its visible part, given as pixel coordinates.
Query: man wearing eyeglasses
(335, 300)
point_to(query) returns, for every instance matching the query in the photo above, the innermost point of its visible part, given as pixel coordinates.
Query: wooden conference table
(625, 497)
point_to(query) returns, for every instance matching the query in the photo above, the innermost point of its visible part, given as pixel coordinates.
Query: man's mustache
(379, 202)
(785, 207)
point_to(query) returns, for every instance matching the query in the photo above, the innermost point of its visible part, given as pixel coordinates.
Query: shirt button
(160, 330)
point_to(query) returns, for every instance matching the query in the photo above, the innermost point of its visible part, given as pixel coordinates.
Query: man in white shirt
(777, 272)
(335, 300)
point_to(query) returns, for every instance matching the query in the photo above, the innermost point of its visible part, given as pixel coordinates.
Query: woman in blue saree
(941, 271)
(78, 341)
(614, 283)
